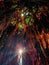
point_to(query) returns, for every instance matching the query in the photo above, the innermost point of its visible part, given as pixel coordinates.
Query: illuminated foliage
(27, 20)
(20, 26)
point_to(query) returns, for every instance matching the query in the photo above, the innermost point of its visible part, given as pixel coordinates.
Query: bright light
(22, 14)
(20, 51)
(20, 57)
(27, 13)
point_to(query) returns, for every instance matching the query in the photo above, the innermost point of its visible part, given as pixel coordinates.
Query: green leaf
(27, 20)
(20, 25)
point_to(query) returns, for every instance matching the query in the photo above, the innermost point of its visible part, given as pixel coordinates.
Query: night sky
(24, 25)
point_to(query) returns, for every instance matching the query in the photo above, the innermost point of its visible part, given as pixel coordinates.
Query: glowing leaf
(27, 20)
(20, 25)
